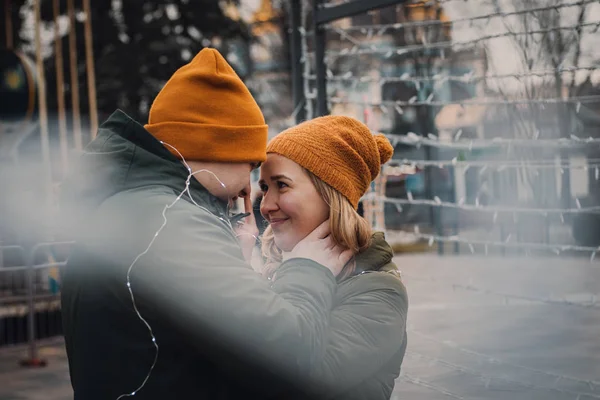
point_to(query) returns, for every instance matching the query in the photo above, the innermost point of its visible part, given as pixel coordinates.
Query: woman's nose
(268, 204)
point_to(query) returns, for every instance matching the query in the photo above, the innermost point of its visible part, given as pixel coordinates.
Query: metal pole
(296, 55)
(434, 212)
(91, 73)
(33, 360)
(43, 109)
(31, 307)
(431, 181)
(503, 228)
(8, 24)
(320, 69)
(74, 76)
(60, 94)
(456, 213)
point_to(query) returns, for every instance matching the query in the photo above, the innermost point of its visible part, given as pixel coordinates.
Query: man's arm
(194, 277)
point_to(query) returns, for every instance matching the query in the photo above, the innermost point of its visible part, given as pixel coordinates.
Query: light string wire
(498, 165)
(129, 270)
(467, 77)
(390, 51)
(336, 3)
(443, 77)
(382, 28)
(471, 243)
(496, 210)
(304, 59)
(413, 102)
(413, 139)
(432, 140)
(480, 207)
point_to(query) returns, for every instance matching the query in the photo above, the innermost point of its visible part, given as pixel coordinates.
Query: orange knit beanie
(341, 151)
(206, 112)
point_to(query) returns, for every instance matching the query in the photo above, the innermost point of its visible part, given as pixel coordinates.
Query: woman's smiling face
(291, 203)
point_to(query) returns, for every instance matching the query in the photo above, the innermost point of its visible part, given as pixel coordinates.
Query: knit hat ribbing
(207, 113)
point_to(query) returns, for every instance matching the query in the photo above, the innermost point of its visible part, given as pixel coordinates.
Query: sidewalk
(479, 328)
(501, 328)
(46, 383)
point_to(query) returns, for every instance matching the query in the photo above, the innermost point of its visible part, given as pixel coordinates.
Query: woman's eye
(281, 185)
(263, 188)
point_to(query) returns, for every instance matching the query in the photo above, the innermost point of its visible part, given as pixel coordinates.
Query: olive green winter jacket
(366, 336)
(157, 298)
(220, 329)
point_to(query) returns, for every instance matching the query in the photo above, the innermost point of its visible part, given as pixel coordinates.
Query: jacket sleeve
(365, 332)
(194, 278)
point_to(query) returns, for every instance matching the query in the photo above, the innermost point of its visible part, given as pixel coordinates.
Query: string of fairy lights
(414, 102)
(496, 211)
(357, 44)
(469, 77)
(333, 3)
(362, 40)
(369, 30)
(412, 139)
(402, 50)
(500, 165)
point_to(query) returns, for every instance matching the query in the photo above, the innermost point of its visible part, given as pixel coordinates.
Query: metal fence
(493, 108)
(30, 295)
(489, 158)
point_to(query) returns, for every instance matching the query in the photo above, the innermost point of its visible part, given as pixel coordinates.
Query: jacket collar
(125, 156)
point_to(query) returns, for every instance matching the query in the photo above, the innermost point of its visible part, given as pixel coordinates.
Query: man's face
(239, 183)
(235, 178)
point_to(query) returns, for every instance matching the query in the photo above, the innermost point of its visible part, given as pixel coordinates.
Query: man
(158, 301)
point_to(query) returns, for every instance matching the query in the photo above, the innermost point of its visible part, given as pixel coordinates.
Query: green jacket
(222, 331)
(366, 337)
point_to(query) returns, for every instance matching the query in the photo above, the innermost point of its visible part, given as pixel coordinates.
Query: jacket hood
(376, 257)
(124, 156)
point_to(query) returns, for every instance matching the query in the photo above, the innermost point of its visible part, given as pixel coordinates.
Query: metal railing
(30, 295)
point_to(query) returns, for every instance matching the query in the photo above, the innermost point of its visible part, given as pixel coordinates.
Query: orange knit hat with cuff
(207, 113)
(339, 150)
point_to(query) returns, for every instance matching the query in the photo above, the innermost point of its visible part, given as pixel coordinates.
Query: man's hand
(246, 230)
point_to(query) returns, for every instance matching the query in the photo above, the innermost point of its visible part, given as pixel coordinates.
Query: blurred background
(491, 201)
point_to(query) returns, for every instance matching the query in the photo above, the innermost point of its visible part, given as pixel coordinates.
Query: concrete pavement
(501, 328)
(479, 328)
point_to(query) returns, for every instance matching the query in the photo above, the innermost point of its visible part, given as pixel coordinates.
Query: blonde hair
(348, 229)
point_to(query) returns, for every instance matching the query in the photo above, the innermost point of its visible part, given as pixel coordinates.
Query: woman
(316, 171)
